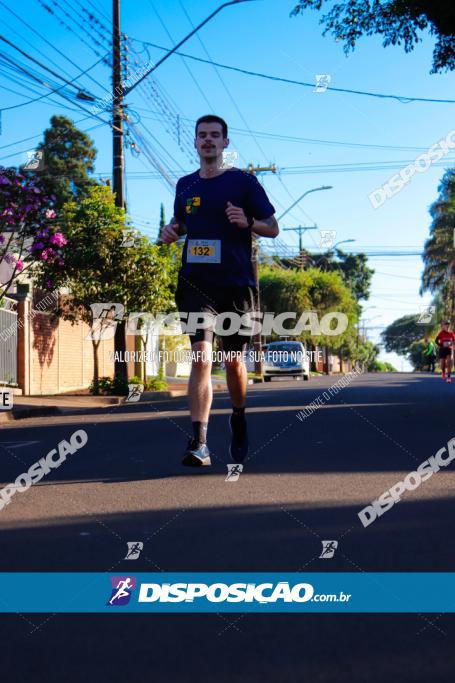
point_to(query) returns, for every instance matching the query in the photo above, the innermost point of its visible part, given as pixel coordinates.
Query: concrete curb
(29, 411)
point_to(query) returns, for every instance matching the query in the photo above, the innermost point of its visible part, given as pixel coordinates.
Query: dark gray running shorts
(202, 298)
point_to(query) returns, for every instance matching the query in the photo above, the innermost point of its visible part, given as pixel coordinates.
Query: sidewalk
(67, 404)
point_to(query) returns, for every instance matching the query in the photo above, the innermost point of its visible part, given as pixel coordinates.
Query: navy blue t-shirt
(201, 204)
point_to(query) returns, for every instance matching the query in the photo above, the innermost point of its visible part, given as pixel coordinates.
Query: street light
(331, 249)
(176, 47)
(342, 242)
(316, 189)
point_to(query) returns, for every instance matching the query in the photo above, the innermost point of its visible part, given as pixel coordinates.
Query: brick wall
(61, 360)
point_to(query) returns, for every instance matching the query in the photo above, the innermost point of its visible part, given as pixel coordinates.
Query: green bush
(118, 387)
(111, 387)
(155, 384)
(135, 380)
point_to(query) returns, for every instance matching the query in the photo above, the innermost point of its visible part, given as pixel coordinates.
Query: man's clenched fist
(236, 215)
(170, 232)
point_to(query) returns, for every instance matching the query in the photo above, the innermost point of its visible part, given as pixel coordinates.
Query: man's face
(209, 141)
(445, 326)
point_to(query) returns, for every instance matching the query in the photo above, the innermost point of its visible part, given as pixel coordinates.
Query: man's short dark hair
(211, 118)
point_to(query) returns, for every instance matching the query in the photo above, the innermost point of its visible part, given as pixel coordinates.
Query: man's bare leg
(200, 400)
(237, 380)
(200, 382)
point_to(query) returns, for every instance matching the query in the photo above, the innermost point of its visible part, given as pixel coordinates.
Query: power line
(100, 12)
(35, 78)
(86, 130)
(92, 28)
(326, 168)
(51, 71)
(64, 23)
(62, 54)
(195, 81)
(49, 59)
(30, 89)
(15, 66)
(309, 141)
(400, 98)
(32, 137)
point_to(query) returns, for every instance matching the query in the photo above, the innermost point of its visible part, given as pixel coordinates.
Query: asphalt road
(304, 482)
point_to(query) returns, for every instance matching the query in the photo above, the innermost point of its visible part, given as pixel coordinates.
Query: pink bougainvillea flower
(50, 213)
(20, 265)
(48, 255)
(58, 239)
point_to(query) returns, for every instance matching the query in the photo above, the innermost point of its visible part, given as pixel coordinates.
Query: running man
(218, 209)
(445, 341)
(429, 354)
(123, 589)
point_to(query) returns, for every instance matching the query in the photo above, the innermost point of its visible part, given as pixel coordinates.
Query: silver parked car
(286, 358)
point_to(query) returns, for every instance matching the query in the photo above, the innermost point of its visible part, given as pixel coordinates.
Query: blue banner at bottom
(227, 592)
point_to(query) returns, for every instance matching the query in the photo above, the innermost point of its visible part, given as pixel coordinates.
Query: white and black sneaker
(238, 449)
(196, 455)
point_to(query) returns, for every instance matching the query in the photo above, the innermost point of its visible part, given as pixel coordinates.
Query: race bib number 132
(204, 251)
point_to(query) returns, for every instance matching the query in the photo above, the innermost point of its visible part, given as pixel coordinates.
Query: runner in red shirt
(446, 342)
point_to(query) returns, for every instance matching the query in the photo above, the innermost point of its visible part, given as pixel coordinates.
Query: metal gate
(8, 344)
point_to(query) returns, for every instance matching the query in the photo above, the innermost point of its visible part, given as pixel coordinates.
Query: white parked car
(286, 358)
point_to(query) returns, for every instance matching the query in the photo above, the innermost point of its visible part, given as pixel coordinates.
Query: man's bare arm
(266, 227)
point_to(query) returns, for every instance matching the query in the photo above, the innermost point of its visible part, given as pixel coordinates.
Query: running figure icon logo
(134, 550)
(327, 238)
(130, 238)
(322, 82)
(234, 472)
(105, 317)
(34, 161)
(122, 587)
(328, 549)
(229, 158)
(426, 315)
(134, 393)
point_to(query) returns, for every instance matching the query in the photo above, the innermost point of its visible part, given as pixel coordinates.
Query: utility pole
(118, 178)
(257, 343)
(301, 230)
(117, 108)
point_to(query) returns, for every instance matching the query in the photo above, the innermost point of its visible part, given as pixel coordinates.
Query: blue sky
(260, 36)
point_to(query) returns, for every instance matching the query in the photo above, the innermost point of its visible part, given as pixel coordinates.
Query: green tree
(415, 355)
(98, 269)
(162, 220)
(353, 268)
(399, 21)
(439, 252)
(308, 291)
(380, 366)
(68, 158)
(400, 334)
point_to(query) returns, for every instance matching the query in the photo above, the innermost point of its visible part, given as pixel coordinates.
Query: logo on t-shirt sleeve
(193, 204)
